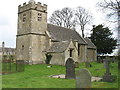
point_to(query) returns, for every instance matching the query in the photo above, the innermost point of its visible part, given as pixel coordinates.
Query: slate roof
(90, 44)
(58, 33)
(58, 46)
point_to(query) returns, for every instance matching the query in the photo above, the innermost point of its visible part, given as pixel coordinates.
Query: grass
(37, 76)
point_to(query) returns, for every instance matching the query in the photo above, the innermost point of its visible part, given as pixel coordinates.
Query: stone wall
(83, 51)
(74, 52)
(37, 46)
(32, 25)
(28, 19)
(57, 59)
(91, 55)
(22, 47)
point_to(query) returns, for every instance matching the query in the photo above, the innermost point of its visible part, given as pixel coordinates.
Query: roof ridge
(61, 27)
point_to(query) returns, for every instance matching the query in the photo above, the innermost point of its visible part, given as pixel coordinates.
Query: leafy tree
(102, 38)
(112, 8)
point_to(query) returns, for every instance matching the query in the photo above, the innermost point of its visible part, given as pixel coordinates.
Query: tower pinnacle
(31, 1)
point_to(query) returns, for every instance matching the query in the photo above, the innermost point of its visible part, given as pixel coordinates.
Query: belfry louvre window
(39, 16)
(24, 17)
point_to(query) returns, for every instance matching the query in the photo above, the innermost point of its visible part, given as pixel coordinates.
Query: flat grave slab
(63, 77)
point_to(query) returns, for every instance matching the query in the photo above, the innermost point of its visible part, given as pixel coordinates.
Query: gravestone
(19, 65)
(107, 76)
(70, 70)
(113, 60)
(87, 64)
(99, 60)
(76, 65)
(83, 79)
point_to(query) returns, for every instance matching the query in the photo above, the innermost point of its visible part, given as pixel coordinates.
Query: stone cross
(70, 69)
(106, 63)
(107, 77)
(83, 79)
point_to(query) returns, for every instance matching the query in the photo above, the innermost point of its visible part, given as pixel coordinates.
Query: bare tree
(56, 18)
(64, 18)
(113, 9)
(83, 17)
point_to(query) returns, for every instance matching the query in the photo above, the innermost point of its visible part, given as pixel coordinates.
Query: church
(37, 41)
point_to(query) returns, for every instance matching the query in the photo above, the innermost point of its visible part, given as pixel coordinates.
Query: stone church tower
(32, 25)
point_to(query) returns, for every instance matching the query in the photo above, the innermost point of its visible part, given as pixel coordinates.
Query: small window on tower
(22, 47)
(24, 17)
(39, 16)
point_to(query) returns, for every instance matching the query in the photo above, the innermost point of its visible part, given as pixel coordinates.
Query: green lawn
(37, 76)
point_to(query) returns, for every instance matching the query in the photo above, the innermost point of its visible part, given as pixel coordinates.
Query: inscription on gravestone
(70, 70)
(83, 79)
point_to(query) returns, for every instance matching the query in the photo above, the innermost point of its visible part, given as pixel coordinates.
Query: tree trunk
(119, 30)
(82, 28)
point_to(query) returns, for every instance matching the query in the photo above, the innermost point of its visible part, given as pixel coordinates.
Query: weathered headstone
(76, 65)
(113, 60)
(19, 65)
(70, 70)
(107, 76)
(99, 60)
(83, 79)
(87, 64)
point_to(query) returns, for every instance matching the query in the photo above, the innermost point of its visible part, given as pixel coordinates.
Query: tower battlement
(32, 5)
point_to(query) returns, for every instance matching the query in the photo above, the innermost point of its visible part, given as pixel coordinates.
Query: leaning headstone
(83, 79)
(70, 70)
(107, 76)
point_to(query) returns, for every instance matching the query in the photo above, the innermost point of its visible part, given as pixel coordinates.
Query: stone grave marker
(107, 76)
(19, 65)
(76, 65)
(99, 60)
(83, 79)
(87, 64)
(70, 69)
(113, 60)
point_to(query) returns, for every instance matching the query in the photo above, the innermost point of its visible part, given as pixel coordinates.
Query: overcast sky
(9, 9)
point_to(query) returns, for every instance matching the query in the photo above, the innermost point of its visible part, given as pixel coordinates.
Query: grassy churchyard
(37, 76)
